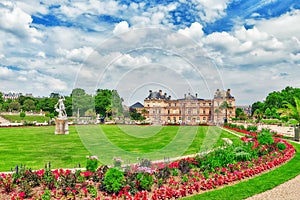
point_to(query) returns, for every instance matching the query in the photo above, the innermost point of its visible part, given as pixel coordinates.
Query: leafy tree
(134, 115)
(47, 104)
(268, 113)
(1, 101)
(14, 106)
(239, 113)
(291, 111)
(257, 105)
(224, 106)
(1, 98)
(108, 102)
(28, 105)
(258, 114)
(81, 101)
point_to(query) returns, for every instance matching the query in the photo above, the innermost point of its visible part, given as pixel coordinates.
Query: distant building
(247, 109)
(159, 108)
(11, 96)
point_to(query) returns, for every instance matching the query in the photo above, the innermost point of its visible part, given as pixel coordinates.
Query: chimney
(185, 96)
(196, 95)
(150, 91)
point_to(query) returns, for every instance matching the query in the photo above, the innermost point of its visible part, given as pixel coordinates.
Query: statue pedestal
(61, 127)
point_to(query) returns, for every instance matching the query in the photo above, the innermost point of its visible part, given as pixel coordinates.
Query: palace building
(159, 108)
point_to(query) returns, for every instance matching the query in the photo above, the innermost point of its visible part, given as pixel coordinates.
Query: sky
(179, 46)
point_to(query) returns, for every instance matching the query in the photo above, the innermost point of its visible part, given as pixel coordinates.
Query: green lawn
(34, 146)
(28, 118)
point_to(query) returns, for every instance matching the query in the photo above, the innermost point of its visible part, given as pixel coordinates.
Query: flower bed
(257, 153)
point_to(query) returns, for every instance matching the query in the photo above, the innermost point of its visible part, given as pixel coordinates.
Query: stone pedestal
(61, 127)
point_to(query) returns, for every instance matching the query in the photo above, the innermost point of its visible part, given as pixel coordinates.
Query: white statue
(60, 108)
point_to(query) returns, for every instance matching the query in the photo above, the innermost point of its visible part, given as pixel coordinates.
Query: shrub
(265, 137)
(281, 146)
(22, 115)
(113, 180)
(145, 181)
(91, 163)
(252, 128)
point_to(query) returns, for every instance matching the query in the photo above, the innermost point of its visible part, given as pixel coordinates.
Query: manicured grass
(154, 143)
(258, 184)
(27, 118)
(34, 146)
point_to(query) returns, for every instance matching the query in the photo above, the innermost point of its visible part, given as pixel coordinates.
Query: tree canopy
(275, 100)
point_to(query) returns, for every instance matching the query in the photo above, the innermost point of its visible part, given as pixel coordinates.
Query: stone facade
(190, 110)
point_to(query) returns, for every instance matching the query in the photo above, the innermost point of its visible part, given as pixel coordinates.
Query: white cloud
(211, 10)
(283, 27)
(121, 28)
(194, 31)
(15, 21)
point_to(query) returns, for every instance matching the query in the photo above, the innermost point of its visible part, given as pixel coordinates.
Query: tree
(224, 106)
(239, 113)
(14, 106)
(1, 98)
(134, 115)
(108, 100)
(291, 111)
(258, 115)
(28, 105)
(81, 101)
(1, 101)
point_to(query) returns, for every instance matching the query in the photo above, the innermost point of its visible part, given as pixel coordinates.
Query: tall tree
(106, 99)
(224, 106)
(81, 101)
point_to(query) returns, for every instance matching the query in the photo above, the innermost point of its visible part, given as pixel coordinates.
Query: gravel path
(286, 191)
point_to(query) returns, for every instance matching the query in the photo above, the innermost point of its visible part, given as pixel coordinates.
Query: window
(203, 111)
(174, 104)
(169, 104)
(209, 104)
(168, 111)
(204, 118)
(153, 111)
(204, 104)
(179, 118)
(148, 105)
(189, 111)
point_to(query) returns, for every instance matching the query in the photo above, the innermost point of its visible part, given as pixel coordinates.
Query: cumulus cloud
(121, 28)
(15, 21)
(195, 31)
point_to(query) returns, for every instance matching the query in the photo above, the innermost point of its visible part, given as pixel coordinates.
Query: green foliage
(145, 181)
(252, 128)
(113, 180)
(92, 191)
(46, 195)
(108, 102)
(265, 137)
(91, 163)
(281, 146)
(81, 101)
(134, 115)
(22, 115)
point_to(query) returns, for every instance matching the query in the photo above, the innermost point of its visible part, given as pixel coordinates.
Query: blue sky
(196, 46)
